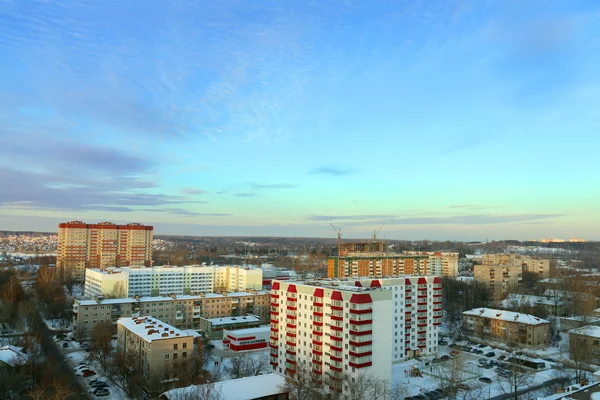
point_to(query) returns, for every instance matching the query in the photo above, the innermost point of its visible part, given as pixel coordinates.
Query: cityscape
(337, 200)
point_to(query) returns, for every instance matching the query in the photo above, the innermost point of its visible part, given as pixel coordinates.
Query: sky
(445, 120)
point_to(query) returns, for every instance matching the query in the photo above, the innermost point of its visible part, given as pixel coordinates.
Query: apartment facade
(158, 348)
(538, 265)
(102, 245)
(184, 312)
(166, 279)
(584, 344)
(336, 328)
(356, 265)
(522, 330)
(502, 279)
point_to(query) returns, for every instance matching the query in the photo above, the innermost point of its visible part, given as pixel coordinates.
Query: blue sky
(443, 119)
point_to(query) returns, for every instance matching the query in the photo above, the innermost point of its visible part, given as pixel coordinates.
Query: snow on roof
(506, 316)
(252, 387)
(191, 332)
(531, 300)
(168, 298)
(12, 355)
(589, 330)
(247, 331)
(233, 320)
(149, 329)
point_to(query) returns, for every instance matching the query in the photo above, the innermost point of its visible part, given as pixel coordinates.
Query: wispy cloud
(333, 171)
(347, 217)
(191, 191)
(471, 206)
(244, 194)
(270, 186)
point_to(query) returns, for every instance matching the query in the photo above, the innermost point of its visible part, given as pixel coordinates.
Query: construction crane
(376, 232)
(339, 236)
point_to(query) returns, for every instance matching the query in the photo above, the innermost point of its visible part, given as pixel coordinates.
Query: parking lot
(483, 372)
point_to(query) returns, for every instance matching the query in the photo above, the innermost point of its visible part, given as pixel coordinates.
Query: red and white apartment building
(335, 328)
(246, 339)
(102, 245)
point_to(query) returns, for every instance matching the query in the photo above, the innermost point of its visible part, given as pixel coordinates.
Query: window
(175, 347)
(166, 356)
(174, 356)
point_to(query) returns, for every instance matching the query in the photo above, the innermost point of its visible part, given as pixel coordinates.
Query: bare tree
(515, 378)
(206, 391)
(304, 385)
(101, 343)
(118, 292)
(124, 372)
(578, 352)
(449, 374)
(247, 364)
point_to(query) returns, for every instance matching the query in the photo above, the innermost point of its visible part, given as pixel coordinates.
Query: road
(52, 350)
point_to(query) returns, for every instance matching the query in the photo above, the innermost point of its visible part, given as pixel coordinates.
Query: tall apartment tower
(102, 245)
(341, 329)
(356, 265)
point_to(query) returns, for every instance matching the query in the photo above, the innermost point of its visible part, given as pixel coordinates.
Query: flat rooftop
(233, 320)
(168, 298)
(151, 329)
(248, 331)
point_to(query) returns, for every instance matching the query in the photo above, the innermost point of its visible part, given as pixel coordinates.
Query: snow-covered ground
(472, 372)
(58, 324)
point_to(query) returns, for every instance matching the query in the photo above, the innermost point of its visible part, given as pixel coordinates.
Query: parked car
(485, 379)
(549, 359)
(453, 345)
(454, 352)
(477, 351)
(88, 373)
(488, 366)
(445, 357)
(81, 367)
(433, 396)
(490, 354)
(482, 361)
(210, 346)
(65, 345)
(502, 357)
(481, 346)
(436, 360)
(443, 343)
(102, 392)
(463, 386)
(505, 373)
(439, 392)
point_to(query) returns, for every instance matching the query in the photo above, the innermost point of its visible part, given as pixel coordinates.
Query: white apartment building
(159, 280)
(335, 328)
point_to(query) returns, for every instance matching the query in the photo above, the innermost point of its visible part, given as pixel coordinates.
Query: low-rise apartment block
(584, 344)
(214, 327)
(333, 328)
(169, 280)
(157, 347)
(521, 330)
(185, 311)
(538, 265)
(357, 265)
(502, 279)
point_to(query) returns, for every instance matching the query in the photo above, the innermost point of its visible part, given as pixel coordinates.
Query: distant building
(183, 311)
(158, 347)
(168, 280)
(246, 339)
(527, 303)
(261, 387)
(102, 245)
(269, 275)
(501, 279)
(540, 266)
(522, 330)
(378, 265)
(584, 344)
